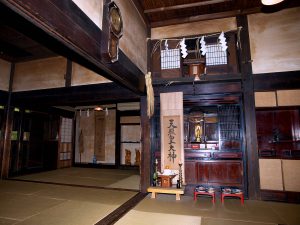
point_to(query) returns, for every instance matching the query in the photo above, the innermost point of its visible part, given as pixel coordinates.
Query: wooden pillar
(5, 156)
(146, 148)
(249, 110)
(118, 140)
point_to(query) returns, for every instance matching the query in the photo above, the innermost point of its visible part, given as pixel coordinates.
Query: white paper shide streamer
(183, 48)
(223, 42)
(203, 48)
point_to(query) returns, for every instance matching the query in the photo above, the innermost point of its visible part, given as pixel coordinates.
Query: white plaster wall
(93, 9)
(83, 76)
(40, 74)
(4, 75)
(275, 41)
(194, 28)
(134, 40)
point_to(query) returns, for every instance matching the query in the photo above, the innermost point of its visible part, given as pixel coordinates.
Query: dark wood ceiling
(16, 47)
(167, 12)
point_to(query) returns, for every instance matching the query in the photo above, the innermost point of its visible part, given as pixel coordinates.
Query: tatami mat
(135, 217)
(45, 204)
(113, 178)
(229, 213)
(29, 203)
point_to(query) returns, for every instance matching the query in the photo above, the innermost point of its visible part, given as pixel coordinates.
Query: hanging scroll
(172, 141)
(172, 149)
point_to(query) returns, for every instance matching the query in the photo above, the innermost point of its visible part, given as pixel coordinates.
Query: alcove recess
(213, 146)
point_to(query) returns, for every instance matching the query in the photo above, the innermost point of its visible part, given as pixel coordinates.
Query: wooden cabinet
(278, 133)
(214, 172)
(190, 172)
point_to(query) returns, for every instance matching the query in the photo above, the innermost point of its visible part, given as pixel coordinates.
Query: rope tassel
(150, 95)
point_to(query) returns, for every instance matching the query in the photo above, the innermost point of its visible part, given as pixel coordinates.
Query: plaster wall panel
(4, 75)
(40, 74)
(110, 136)
(134, 40)
(270, 171)
(194, 28)
(288, 97)
(83, 76)
(265, 99)
(93, 9)
(130, 119)
(274, 41)
(86, 124)
(291, 175)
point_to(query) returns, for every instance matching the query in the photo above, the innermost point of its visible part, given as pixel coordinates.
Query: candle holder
(180, 174)
(155, 175)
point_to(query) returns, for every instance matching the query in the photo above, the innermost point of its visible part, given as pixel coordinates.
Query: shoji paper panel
(291, 175)
(288, 97)
(270, 172)
(265, 99)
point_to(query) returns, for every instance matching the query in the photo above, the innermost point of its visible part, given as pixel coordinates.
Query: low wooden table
(239, 195)
(213, 194)
(176, 191)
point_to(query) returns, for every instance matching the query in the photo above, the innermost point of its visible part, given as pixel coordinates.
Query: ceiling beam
(62, 27)
(93, 94)
(202, 17)
(183, 6)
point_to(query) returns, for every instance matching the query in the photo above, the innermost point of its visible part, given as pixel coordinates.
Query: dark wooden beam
(184, 6)
(3, 97)
(5, 154)
(146, 143)
(200, 88)
(277, 81)
(66, 30)
(251, 166)
(202, 17)
(118, 141)
(75, 96)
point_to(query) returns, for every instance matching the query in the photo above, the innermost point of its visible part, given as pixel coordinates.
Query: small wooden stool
(176, 191)
(239, 195)
(213, 194)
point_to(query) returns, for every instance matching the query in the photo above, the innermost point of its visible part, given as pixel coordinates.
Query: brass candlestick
(155, 175)
(180, 174)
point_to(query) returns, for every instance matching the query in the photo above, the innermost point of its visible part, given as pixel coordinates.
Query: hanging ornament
(223, 42)
(183, 48)
(203, 48)
(166, 45)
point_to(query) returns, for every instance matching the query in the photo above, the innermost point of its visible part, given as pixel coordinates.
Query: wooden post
(146, 149)
(5, 157)
(249, 111)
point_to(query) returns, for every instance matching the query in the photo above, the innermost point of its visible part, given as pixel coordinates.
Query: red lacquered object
(213, 194)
